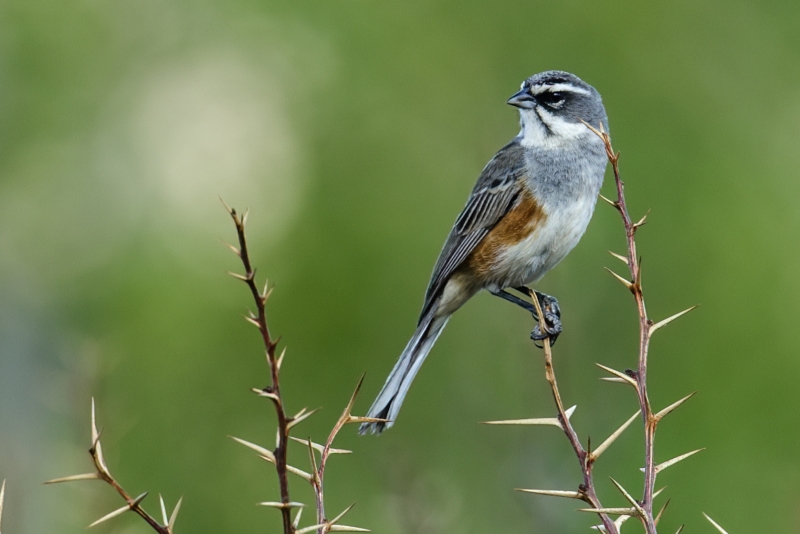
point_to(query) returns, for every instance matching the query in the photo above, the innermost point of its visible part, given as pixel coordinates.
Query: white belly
(527, 261)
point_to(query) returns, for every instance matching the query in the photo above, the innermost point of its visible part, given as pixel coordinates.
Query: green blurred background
(354, 132)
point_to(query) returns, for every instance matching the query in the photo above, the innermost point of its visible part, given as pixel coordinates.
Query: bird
(529, 208)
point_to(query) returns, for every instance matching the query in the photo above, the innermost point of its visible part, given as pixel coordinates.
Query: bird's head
(552, 105)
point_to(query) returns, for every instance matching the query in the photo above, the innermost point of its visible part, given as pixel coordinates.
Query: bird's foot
(552, 319)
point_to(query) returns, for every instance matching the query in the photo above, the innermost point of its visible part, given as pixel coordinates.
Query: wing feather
(495, 193)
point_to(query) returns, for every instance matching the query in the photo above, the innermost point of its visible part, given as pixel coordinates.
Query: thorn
(642, 221)
(621, 519)
(316, 482)
(270, 457)
(552, 421)
(618, 523)
(252, 321)
(280, 358)
(299, 472)
(281, 505)
(97, 450)
(311, 528)
(296, 522)
(554, 493)
(266, 294)
(112, 515)
(267, 394)
(85, 476)
(346, 528)
(669, 409)
(341, 515)
(669, 463)
(95, 433)
(120, 511)
(612, 511)
(349, 408)
(722, 530)
(238, 276)
(630, 499)
(625, 282)
(607, 443)
(668, 320)
(244, 216)
(613, 203)
(622, 376)
(661, 512)
(228, 208)
(301, 416)
(613, 379)
(621, 258)
(233, 249)
(164, 517)
(264, 453)
(319, 447)
(592, 128)
(174, 515)
(680, 529)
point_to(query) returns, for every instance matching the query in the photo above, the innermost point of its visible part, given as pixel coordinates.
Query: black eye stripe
(549, 98)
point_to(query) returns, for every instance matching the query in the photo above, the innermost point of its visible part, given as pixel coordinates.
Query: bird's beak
(522, 99)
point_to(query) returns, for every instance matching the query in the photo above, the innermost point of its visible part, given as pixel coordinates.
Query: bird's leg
(503, 294)
(552, 315)
(550, 309)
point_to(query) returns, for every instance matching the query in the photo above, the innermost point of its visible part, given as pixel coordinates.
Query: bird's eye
(554, 100)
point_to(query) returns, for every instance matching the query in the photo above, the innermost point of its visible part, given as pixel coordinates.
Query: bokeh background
(354, 132)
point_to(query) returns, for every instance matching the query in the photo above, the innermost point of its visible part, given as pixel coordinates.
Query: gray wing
(495, 193)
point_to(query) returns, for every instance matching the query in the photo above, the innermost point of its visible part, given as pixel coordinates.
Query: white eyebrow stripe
(539, 89)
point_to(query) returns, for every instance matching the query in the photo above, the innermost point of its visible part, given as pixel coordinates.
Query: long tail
(387, 404)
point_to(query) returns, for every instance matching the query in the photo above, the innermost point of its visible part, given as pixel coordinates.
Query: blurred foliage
(354, 132)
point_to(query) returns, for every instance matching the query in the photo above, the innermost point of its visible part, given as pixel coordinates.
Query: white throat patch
(542, 129)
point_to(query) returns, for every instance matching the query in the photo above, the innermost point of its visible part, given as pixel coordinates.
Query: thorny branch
(645, 324)
(278, 456)
(638, 378)
(273, 391)
(586, 491)
(134, 504)
(642, 508)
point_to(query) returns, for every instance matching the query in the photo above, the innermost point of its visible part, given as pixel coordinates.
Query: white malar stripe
(556, 87)
(562, 128)
(534, 133)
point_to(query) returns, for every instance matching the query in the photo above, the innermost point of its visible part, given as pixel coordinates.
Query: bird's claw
(552, 320)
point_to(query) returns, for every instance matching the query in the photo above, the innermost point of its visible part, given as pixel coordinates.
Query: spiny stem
(275, 389)
(587, 490)
(634, 264)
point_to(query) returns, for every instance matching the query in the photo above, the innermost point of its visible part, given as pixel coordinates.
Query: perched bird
(529, 208)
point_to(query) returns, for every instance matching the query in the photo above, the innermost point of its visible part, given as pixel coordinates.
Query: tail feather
(390, 399)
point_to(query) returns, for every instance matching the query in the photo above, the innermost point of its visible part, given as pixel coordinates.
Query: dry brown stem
(133, 504)
(641, 509)
(273, 391)
(646, 329)
(278, 456)
(586, 491)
